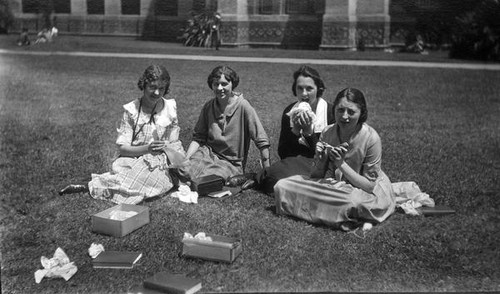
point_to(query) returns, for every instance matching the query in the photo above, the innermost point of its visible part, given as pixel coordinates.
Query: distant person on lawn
(347, 187)
(148, 146)
(215, 37)
(225, 126)
(301, 125)
(24, 39)
(46, 35)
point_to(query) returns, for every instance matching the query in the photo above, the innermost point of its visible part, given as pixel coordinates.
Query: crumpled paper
(199, 236)
(297, 110)
(121, 214)
(57, 266)
(409, 197)
(95, 249)
(185, 194)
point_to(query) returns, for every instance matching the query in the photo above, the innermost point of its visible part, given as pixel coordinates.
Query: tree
(202, 29)
(435, 20)
(477, 33)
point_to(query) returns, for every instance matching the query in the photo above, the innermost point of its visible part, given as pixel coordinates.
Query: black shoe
(249, 184)
(71, 189)
(239, 180)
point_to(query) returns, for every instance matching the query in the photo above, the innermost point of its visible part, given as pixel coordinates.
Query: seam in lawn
(385, 63)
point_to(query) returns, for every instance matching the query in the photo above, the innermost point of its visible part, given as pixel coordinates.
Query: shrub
(434, 20)
(476, 35)
(201, 29)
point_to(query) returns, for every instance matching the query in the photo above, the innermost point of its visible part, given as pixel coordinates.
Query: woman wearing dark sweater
(301, 125)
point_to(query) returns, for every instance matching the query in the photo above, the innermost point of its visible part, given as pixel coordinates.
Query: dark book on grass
(116, 259)
(172, 283)
(207, 184)
(437, 210)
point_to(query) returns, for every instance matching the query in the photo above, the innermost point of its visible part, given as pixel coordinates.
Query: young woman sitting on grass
(225, 126)
(148, 145)
(347, 187)
(301, 125)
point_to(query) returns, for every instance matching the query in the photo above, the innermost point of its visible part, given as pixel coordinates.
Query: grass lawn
(439, 128)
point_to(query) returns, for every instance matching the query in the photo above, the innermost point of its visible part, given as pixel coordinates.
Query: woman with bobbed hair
(302, 122)
(300, 130)
(148, 146)
(222, 134)
(348, 187)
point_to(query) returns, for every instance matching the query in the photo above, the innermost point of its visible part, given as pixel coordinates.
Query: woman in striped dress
(148, 146)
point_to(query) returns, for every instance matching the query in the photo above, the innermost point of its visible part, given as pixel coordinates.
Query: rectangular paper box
(219, 249)
(101, 222)
(207, 184)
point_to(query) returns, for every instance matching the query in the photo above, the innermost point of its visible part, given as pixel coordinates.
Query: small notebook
(172, 283)
(116, 259)
(436, 210)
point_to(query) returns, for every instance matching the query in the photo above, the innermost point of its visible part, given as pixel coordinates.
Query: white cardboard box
(103, 224)
(219, 249)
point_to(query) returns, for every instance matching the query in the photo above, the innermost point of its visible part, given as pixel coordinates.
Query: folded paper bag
(95, 249)
(185, 194)
(57, 266)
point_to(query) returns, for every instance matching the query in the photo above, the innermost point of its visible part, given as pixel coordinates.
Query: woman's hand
(304, 121)
(337, 154)
(156, 147)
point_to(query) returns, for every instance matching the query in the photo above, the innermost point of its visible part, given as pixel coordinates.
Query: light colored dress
(333, 200)
(132, 179)
(224, 138)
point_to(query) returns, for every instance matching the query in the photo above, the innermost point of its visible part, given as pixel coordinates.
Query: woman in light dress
(148, 146)
(347, 188)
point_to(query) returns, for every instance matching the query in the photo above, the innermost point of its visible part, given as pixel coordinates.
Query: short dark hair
(308, 72)
(154, 73)
(355, 96)
(228, 72)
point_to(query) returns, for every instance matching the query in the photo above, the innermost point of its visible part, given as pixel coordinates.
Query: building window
(266, 7)
(95, 6)
(166, 8)
(198, 5)
(39, 6)
(212, 5)
(424, 4)
(300, 7)
(62, 6)
(131, 7)
(30, 6)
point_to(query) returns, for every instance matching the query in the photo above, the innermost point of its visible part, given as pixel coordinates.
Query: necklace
(151, 120)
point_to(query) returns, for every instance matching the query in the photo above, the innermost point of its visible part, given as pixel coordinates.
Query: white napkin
(186, 195)
(57, 266)
(95, 249)
(199, 236)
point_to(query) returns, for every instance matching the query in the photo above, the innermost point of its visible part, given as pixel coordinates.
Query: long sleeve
(289, 145)
(200, 133)
(255, 128)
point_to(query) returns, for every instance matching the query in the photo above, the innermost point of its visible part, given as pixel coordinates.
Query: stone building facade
(313, 24)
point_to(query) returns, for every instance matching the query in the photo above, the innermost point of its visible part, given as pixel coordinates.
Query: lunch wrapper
(55, 267)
